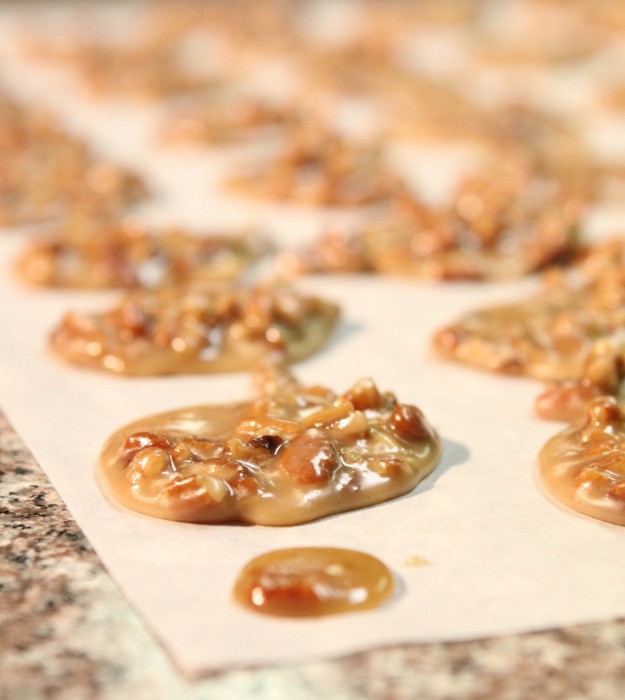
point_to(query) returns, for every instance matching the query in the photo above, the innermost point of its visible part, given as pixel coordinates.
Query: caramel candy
(584, 466)
(118, 254)
(47, 173)
(603, 374)
(543, 37)
(313, 581)
(294, 455)
(194, 328)
(225, 118)
(548, 336)
(494, 228)
(144, 70)
(319, 167)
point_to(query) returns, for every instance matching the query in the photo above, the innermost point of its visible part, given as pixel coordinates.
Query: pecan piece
(408, 423)
(150, 462)
(271, 443)
(363, 395)
(138, 441)
(309, 458)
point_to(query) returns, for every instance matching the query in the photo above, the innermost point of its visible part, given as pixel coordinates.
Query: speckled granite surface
(66, 632)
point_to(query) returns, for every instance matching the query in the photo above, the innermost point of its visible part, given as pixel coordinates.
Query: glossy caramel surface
(313, 581)
(550, 335)
(583, 466)
(294, 455)
(198, 327)
(83, 254)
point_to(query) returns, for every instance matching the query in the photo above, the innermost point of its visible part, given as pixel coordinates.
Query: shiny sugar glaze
(583, 467)
(287, 458)
(193, 328)
(313, 581)
(551, 335)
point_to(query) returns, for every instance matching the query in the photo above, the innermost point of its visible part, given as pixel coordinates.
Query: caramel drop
(313, 581)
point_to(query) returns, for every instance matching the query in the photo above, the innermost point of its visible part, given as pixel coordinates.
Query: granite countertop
(66, 632)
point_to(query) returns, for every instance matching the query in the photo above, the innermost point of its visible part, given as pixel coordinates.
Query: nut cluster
(47, 174)
(520, 208)
(224, 118)
(570, 334)
(295, 445)
(319, 167)
(493, 229)
(583, 465)
(196, 327)
(101, 254)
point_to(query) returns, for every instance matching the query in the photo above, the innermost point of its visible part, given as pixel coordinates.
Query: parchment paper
(503, 557)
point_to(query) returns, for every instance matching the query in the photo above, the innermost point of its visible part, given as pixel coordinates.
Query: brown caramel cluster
(544, 37)
(603, 374)
(146, 69)
(224, 119)
(519, 210)
(608, 13)
(88, 254)
(47, 174)
(294, 455)
(584, 466)
(322, 168)
(197, 327)
(548, 336)
(494, 229)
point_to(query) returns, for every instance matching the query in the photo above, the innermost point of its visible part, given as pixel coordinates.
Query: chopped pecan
(309, 458)
(408, 423)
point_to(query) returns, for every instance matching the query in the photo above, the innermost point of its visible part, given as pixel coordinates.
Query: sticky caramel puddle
(312, 582)
(290, 457)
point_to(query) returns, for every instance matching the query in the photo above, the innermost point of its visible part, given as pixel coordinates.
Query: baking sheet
(502, 557)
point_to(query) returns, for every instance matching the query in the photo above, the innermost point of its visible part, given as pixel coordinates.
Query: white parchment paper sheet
(503, 558)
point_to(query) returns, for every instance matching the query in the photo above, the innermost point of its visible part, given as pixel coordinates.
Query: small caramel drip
(417, 561)
(313, 581)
